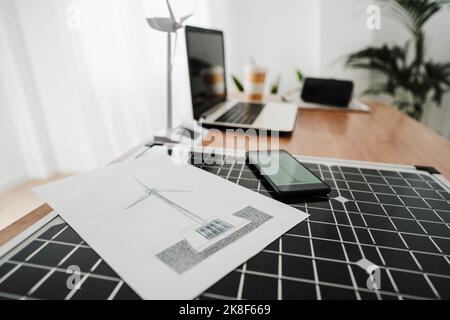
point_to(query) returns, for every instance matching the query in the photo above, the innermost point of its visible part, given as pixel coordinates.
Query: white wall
(20, 96)
(313, 35)
(24, 148)
(282, 35)
(12, 167)
(343, 31)
(438, 36)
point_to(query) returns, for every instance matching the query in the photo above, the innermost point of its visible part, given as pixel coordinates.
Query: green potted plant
(412, 79)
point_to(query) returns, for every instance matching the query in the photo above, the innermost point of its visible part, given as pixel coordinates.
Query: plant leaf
(437, 76)
(238, 83)
(410, 78)
(300, 76)
(414, 14)
(275, 86)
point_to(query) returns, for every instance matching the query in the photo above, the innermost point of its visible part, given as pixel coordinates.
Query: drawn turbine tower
(210, 231)
(157, 193)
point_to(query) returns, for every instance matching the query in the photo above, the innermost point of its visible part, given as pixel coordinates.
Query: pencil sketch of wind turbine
(149, 192)
(209, 230)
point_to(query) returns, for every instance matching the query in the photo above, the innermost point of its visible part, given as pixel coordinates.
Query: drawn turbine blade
(147, 189)
(138, 201)
(171, 12)
(180, 209)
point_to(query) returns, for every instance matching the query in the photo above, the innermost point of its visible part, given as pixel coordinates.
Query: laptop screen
(206, 58)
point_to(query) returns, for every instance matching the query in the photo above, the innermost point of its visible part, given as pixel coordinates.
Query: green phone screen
(282, 169)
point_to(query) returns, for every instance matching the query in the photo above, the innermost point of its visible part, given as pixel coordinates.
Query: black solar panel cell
(53, 288)
(296, 290)
(260, 287)
(398, 221)
(126, 293)
(21, 281)
(442, 285)
(228, 287)
(297, 267)
(264, 262)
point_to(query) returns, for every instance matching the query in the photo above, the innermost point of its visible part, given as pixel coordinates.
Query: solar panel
(396, 220)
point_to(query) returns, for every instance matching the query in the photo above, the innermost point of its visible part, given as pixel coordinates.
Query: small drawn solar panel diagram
(205, 232)
(214, 229)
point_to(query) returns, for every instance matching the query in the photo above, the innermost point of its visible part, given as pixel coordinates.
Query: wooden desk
(385, 135)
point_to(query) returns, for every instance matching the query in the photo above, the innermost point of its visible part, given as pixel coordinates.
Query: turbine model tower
(168, 25)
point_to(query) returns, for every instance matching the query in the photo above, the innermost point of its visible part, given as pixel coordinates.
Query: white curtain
(91, 75)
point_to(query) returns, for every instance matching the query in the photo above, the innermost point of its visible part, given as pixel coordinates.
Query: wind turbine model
(206, 232)
(168, 25)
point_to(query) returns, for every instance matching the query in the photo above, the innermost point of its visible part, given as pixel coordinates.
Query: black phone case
(289, 194)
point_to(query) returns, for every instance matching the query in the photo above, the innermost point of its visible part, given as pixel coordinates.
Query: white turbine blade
(183, 19)
(171, 12)
(179, 191)
(137, 202)
(162, 24)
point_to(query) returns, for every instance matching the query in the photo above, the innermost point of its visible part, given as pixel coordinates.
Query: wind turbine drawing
(205, 232)
(157, 193)
(168, 25)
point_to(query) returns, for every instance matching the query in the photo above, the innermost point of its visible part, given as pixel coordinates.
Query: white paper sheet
(176, 242)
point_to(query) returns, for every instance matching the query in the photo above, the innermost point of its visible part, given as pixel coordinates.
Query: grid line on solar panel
(51, 268)
(351, 223)
(399, 249)
(322, 175)
(37, 283)
(440, 204)
(316, 277)
(81, 245)
(352, 276)
(47, 268)
(409, 187)
(401, 237)
(391, 279)
(324, 283)
(280, 273)
(428, 192)
(380, 211)
(241, 282)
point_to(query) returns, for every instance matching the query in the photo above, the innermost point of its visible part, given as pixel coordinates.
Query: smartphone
(285, 174)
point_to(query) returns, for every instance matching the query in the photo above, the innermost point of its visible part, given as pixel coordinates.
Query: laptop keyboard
(242, 113)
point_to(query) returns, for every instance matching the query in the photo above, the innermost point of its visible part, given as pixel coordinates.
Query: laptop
(206, 59)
